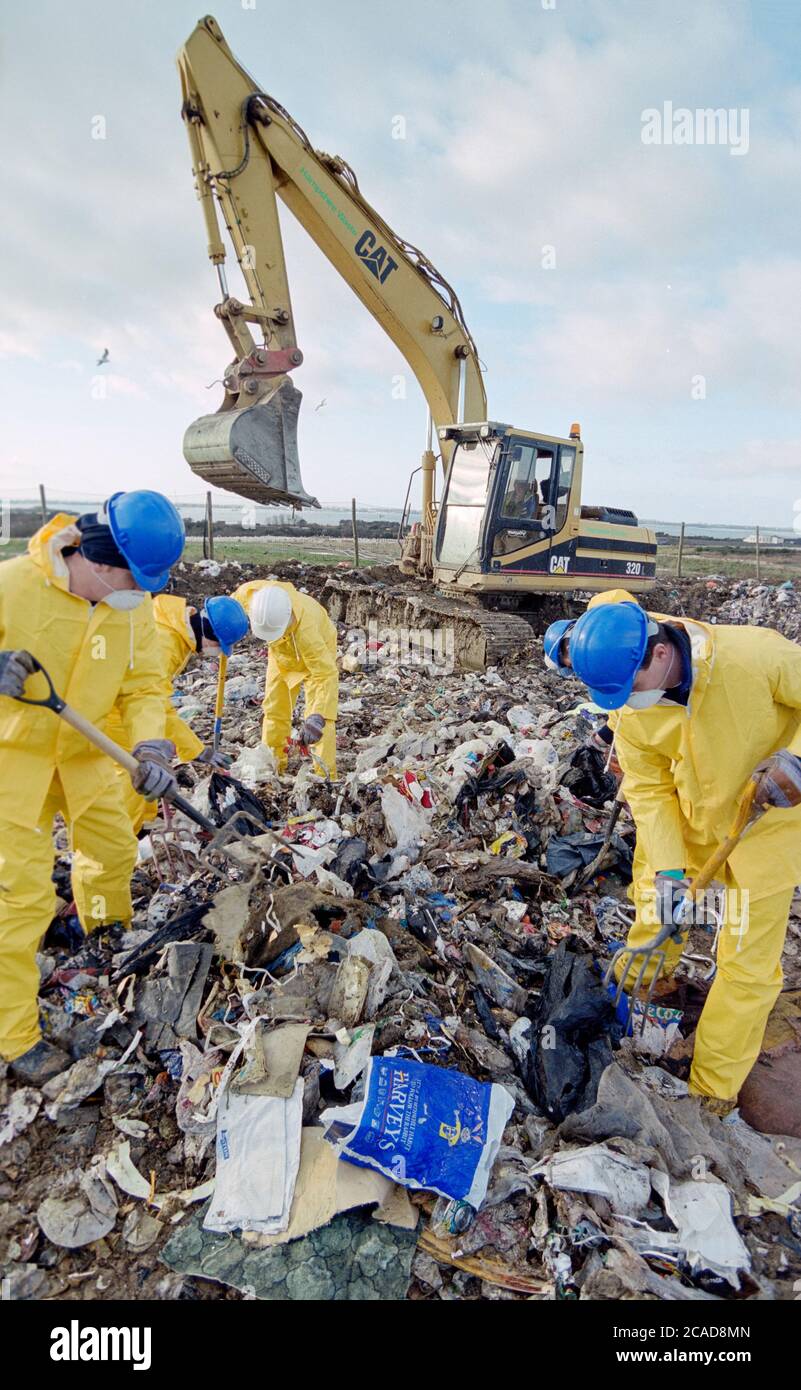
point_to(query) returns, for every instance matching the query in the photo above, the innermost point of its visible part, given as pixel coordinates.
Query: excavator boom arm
(246, 149)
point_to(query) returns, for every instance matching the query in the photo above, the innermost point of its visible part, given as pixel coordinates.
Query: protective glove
(311, 730)
(669, 894)
(779, 781)
(15, 667)
(211, 758)
(154, 778)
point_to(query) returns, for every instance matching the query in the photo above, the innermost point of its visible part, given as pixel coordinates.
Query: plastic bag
(227, 796)
(424, 1126)
(570, 1036)
(587, 779)
(566, 853)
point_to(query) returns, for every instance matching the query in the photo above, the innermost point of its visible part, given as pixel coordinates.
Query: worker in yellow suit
(182, 631)
(77, 602)
(302, 645)
(700, 710)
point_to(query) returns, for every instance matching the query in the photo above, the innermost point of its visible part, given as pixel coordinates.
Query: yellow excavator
(509, 527)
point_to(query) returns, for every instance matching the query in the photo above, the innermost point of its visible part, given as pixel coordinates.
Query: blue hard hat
(607, 646)
(228, 619)
(552, 641)
(149, 532)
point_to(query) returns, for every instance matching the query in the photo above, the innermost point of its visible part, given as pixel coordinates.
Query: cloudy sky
(668, 326)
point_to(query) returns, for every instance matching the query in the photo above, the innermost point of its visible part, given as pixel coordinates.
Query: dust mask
(124, 600)
(644, 699)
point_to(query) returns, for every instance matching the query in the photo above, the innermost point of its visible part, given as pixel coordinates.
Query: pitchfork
(653, 953)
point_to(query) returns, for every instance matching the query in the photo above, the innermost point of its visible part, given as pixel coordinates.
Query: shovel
(641, 958)
(222, 836)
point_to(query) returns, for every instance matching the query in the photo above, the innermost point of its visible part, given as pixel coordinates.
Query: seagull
(101, 361)
(322, 403)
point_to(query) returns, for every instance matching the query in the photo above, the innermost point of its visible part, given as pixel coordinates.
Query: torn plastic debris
(85, 1217)
(22, 1109)
(509, 845)
(254, 766)
(121, 1167)
(67, 1090)
(500, 987)
(705, 1238)
(408, 823)
(167, 1007)
(424, 1126)
(601, 1171)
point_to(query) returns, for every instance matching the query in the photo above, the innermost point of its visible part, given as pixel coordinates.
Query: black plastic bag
(227, 796)
(586, 777)
(566, 853)
(350, 863)
(571, 1031)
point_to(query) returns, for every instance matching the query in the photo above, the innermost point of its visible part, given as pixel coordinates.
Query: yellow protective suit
(176, 647)
(92, 877)
(306, 655)
(96, 656)
(684, 770)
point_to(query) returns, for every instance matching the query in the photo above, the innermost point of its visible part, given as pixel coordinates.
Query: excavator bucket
(252, 450)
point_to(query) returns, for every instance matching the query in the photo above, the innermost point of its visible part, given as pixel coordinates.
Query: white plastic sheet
(258, 1155)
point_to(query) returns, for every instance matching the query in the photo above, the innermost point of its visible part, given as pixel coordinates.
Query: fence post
(209, 538)
(680, 552)
(355, 531)
(758, 565)
(43, 503)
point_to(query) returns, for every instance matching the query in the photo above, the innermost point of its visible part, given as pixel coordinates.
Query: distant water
(250, 514)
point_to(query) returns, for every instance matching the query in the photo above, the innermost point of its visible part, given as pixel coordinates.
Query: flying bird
(101, 361)
(322, 403)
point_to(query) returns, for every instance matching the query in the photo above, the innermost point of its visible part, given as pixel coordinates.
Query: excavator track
(448, 632)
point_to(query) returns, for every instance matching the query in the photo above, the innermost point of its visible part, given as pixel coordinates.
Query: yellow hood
(171, 612)
(46, 545)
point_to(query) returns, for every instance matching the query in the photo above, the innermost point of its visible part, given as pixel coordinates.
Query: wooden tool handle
(220, 701)
(221, 673)
(99, 739)
(708, 870)
(130, 763)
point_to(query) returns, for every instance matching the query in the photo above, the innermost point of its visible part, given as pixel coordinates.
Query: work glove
(311, 730)
(670, 892)
(210, 757)
(779, 780)
(154, 777)
(15, 667)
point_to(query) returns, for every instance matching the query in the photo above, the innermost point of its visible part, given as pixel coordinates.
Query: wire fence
(221, 526)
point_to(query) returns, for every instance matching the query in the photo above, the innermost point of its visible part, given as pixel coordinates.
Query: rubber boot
(39, 1064)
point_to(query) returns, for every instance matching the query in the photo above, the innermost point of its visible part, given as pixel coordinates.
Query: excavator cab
(511, 518)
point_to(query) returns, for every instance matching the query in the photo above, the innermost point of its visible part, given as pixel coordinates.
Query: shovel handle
(745, 815)
(220, 701)
(106, 745)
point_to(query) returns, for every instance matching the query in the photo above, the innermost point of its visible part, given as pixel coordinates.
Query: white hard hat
(270, 613)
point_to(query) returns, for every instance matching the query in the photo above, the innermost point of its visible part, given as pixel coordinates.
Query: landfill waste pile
(361, 1048)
